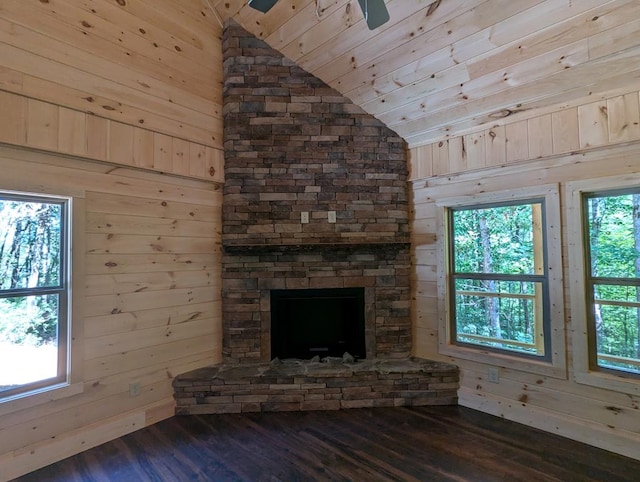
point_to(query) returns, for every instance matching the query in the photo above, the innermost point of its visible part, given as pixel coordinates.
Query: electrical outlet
(331, 216)
(134, 389)
(494, 375)
(304, 217)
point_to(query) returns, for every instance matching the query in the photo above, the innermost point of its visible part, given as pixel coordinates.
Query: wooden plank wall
(42, 125)
(117, 104)
(155, 64)
(137, 82)
(146, 301)
(440, 68)
(595, 139)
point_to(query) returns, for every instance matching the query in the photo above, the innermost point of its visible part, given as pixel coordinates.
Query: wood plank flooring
(408, 444)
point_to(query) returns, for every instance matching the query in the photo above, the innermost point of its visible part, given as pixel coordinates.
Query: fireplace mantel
(313, 247)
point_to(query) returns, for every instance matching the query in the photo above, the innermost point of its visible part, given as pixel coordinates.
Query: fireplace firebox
(317, 322)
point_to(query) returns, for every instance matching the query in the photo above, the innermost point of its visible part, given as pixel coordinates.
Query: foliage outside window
(498, 277)
(33, 293)
(612, 242)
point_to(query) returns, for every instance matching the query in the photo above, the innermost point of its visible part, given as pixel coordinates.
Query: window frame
(62, 290)
(587, 371)
(543, 279)
(553, 364)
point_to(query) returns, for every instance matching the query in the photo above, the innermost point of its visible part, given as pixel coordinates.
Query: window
(611, 223)
(603, 255)
(500, 278)
(34, 293)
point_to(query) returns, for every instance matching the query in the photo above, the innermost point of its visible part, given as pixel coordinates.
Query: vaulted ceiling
(444, 67)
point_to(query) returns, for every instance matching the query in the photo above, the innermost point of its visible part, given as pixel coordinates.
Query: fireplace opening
(317, 322)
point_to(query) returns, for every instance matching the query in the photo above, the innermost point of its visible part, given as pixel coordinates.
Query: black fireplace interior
(317, 322)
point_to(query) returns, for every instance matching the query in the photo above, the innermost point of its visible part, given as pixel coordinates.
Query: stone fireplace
(382, 272)
(296, 148)
(315, 201)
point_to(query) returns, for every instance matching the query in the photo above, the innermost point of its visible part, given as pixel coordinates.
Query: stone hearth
(294, 385)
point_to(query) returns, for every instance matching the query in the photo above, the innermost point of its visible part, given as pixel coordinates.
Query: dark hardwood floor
(428, 444)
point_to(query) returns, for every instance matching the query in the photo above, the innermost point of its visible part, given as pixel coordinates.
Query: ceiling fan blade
(375, 12)
(263, 5)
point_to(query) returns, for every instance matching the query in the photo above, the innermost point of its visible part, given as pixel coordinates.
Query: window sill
(609, 381)
(528, 365)
(38, 397)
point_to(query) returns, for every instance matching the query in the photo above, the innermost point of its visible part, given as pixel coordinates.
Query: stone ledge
(231, 248)
(295, 385)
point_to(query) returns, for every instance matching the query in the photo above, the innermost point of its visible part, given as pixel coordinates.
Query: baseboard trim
(33, 457)
(578, 429)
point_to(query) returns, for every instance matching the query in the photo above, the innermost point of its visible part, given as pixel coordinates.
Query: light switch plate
(304, 217)
(331, 216)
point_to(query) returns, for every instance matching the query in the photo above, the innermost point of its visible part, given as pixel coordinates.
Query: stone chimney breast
(315, 197)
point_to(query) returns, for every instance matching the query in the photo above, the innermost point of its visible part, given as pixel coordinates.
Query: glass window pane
(495, 240)
(617, 337)
(28, 340)
(616, 293)
(613, 238)
(500, 314)
(30, 244)
(616, 315)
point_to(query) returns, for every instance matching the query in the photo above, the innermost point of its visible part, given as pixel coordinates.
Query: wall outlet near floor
(331, 216)
(304, 217)
(494, 375)
(134, 389)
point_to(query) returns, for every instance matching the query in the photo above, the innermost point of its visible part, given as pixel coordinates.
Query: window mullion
(615, 281)
(500, 277)
(20, 292)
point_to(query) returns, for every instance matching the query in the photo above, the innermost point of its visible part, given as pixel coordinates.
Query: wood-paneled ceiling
(440, 68)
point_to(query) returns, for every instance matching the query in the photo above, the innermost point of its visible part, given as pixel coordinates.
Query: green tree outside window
(498, 277)
(33, 292)
(613, 278)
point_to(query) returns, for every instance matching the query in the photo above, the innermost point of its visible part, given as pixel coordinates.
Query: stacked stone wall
(294, 145)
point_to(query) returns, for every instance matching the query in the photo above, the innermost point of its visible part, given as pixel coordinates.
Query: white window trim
(577, 290)
(557, 367)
